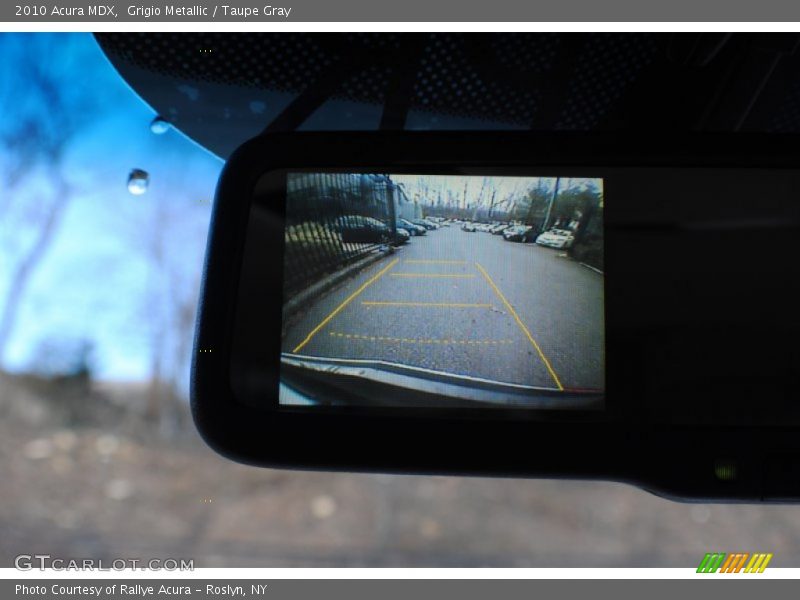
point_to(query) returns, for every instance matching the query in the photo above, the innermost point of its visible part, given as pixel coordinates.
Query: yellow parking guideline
(435, 304)
(453, 275)
(381, 338)
(521, 326)
(339, 308)
(413, 261)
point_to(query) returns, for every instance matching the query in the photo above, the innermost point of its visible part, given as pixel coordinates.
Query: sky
(97, 280)
(506, 188)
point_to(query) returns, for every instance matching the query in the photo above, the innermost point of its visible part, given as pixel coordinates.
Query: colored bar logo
(737, 562)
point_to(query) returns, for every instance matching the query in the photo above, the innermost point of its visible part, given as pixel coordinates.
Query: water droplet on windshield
(159, 126)
(138, 180)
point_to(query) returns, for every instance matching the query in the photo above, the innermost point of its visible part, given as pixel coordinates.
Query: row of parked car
(358, 229)
(554, 238)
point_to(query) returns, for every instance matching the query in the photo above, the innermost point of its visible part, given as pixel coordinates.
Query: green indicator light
(725, 470)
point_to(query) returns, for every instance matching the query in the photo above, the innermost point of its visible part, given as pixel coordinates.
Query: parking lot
(468, 304)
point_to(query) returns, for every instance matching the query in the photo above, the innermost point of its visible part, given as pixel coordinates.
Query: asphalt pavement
(468, 304)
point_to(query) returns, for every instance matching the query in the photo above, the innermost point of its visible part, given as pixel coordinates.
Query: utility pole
(394, 195)
(550, 206)
(491, 204)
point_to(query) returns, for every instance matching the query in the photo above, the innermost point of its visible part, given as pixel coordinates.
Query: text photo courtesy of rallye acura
(139, 590)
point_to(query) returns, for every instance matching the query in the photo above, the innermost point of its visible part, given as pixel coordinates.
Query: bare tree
(44, 112)
(173, 293)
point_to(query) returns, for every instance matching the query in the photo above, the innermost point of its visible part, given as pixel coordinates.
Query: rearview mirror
(517, 304)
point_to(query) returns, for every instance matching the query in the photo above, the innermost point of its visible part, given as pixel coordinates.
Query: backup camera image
(432, 290)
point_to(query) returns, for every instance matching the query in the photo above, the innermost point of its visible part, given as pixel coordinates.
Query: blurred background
(103, 218)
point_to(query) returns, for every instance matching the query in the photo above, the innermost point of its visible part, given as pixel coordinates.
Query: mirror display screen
(439, 291)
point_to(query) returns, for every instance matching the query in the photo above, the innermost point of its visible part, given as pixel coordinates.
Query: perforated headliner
(221, 89)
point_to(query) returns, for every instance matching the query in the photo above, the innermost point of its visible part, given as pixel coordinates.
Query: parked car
(556, 238)
(401, 236)
(358, 229)
(411, 227)
(425, 223)
(498, 229)
(519, 233)
(469, 227)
